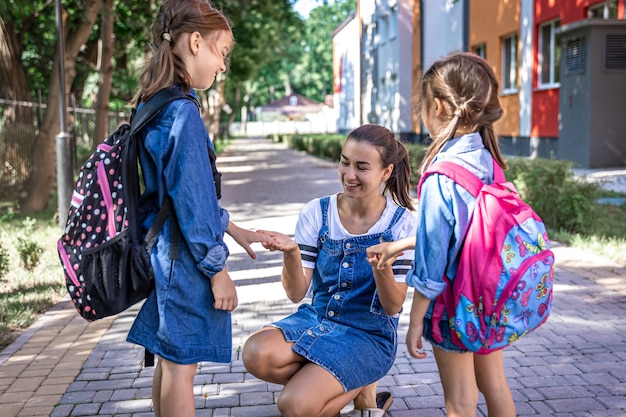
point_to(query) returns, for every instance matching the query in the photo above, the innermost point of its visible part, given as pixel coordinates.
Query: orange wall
(489, 22)
(545, 102)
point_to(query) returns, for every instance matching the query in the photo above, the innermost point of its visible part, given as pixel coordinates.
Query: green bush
(564, 202)
(416, 156)
(559, 198)
(4, 261)
(28, 250)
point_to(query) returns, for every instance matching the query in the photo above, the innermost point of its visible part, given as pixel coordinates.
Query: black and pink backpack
(104, 255)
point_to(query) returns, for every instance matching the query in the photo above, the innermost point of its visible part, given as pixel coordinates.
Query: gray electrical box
(592, 96)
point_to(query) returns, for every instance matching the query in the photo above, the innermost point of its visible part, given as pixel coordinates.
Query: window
(574, 59)
(509, 63)
(480, 50)
(393, 22)
(549, 54)
(606, 10)
(384, 29)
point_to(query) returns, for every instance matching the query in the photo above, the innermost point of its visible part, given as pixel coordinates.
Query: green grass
(26, 293)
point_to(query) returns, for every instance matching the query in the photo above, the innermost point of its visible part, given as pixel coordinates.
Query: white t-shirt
(310, 223)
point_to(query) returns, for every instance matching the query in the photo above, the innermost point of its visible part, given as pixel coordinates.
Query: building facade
(521, 40)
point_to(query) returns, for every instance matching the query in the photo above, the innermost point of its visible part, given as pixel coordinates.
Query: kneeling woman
(333, 350)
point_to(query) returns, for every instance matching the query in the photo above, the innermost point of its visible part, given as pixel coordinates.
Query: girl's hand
(382, 255)
(224, 291)
(278, 241)
(245, 237)
(414, 339)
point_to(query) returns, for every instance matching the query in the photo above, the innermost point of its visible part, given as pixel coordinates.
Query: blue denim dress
(345, 329)
(177, 321)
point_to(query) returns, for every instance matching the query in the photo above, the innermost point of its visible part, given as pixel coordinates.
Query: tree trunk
(13, 84)
(40, 185)
(106, 74)
(19, 134)
(236, 109)
(212, 102)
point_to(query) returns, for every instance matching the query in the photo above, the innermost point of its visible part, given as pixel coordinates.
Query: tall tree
(313, 76)
(107, 40)
(262, 34)
(39, 187)
(17, 135)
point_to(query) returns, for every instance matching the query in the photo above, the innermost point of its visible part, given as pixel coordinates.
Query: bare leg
(156, 389)
(176, 390)
(492, 383)
(309, 390)
(268, 356)
(460, 392)
(313, 392)
(366, 398)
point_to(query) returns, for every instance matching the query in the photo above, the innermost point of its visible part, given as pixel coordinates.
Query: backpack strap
(468, 180)
(139, 119)
(461, 175)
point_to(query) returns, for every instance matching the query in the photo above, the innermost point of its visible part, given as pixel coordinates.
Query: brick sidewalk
(574, 365)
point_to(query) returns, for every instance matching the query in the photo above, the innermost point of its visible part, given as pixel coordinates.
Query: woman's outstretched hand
(278, 241)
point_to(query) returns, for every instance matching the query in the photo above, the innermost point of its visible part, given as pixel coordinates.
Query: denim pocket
(376, 307)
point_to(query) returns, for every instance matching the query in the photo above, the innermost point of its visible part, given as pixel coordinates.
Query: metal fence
(19, 127)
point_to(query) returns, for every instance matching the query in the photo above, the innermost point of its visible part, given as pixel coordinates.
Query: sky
(304, 7)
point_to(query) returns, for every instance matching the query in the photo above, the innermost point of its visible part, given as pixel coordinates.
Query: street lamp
(65, 163)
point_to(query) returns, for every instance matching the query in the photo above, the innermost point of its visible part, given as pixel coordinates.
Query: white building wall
(347, 66)
(526, 66)
(387, 79)
(443, 29)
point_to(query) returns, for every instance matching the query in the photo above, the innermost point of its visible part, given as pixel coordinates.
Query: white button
(348, 245)
(343, 284)
(345, 264)
(336, 296)
(331, 313)
(309, 332)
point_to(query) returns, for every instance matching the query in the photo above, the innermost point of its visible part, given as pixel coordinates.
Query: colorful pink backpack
(503, 286)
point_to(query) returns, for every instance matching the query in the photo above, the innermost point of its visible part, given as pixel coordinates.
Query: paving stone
(85, 409)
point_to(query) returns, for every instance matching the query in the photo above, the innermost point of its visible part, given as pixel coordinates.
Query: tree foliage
(313, 76)
(276, 51)
(305, 65)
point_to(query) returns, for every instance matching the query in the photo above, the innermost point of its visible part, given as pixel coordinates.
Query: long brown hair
(392, 151)
(176, 17)
(467, 86)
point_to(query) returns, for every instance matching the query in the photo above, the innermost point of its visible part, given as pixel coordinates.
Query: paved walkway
(575, 365)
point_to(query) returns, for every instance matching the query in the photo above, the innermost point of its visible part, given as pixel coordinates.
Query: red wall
(545, 102)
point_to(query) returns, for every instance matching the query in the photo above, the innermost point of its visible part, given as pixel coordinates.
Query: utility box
(592, 97)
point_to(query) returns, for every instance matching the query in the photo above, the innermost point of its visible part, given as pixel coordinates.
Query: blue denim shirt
(175, 163)
(443, 216)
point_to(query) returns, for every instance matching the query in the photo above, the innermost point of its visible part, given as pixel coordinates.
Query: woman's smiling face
(360, 169)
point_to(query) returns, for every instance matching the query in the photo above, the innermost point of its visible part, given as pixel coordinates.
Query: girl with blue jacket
(459, 100)
(186, 319)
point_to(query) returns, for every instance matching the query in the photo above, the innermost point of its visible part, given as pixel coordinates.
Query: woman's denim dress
(177, 321)
(345, 329)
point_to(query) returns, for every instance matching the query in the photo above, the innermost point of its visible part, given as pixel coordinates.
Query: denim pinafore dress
(345, 329)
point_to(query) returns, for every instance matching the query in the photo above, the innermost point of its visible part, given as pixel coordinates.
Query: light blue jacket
(443, 216)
